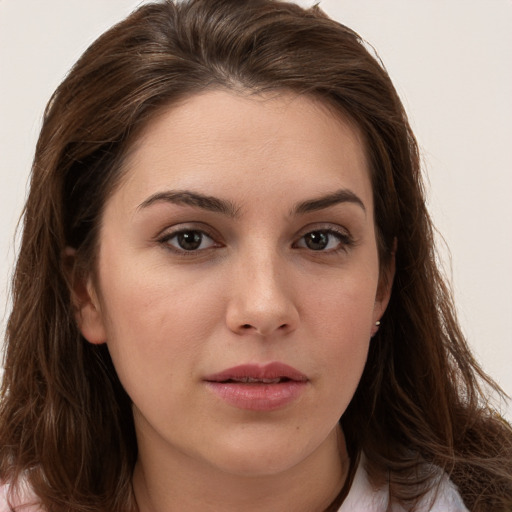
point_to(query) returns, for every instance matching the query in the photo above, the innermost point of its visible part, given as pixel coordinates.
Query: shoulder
(363, 497)
(18, 499)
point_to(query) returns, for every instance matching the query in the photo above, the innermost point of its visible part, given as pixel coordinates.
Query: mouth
(253, 380)
(273, 373)
(258, 388)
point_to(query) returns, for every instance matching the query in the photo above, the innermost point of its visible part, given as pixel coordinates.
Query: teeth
(251, 380)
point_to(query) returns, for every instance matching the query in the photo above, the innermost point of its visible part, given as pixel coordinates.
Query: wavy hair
(66, 424)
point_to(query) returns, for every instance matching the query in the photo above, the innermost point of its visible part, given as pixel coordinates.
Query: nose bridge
(262, 298)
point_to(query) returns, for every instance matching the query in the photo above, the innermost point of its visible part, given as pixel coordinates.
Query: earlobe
(89, 317)
(85, 302)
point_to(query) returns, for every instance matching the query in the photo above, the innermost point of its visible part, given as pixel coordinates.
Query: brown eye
(317, 240)
(326, 240)
(191, 240)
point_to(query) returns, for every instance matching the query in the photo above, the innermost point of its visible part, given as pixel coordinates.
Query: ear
(384, 290)
(84, 298)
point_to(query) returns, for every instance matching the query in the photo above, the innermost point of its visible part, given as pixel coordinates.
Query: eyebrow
(225, 207)
(320, 203)
(195, 199)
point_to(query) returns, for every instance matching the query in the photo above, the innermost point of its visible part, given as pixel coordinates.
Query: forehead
(229, 142)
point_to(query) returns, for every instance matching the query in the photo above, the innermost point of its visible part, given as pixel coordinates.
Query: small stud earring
(375, 328)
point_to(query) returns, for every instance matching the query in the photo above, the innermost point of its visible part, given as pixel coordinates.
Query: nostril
(246, 326)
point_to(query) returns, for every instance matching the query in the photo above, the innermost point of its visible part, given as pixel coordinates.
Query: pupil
(317, 240)
(190, 240)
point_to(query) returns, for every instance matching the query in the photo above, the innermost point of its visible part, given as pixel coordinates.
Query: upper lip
(272, 372)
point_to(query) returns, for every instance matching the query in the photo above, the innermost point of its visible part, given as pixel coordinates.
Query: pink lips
(258, 388)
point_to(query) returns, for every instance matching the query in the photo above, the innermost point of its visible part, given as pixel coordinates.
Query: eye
(324, 240)
(189, 240)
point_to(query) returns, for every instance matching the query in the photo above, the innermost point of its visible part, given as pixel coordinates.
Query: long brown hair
(65, 421)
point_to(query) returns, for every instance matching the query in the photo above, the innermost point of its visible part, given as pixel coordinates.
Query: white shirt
(362, 497)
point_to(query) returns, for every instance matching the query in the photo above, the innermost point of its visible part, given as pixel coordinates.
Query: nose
(262, 299)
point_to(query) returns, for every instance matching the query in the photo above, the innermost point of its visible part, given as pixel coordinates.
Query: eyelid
(170, 232)
(324, 226)
(180, 227)
(345, 237)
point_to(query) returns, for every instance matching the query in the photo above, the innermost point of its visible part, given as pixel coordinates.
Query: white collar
(363, 497)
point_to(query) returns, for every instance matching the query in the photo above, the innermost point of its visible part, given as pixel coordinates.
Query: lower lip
(258, 397)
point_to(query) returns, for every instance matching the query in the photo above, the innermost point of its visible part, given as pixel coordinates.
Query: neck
(174, 483)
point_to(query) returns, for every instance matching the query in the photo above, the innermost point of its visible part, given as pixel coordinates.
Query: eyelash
(345, 241)
(166, 239)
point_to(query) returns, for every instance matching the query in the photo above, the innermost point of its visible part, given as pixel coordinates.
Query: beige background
(450, 60)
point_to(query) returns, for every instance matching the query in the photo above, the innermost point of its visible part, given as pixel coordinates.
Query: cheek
(156, 323)
(342, 308)
(338, 319)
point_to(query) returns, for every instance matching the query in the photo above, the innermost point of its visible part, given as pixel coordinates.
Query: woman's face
(237, 284)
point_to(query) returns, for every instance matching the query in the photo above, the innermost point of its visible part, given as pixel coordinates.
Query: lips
(253, 380)
(250, 373)
(258, 388)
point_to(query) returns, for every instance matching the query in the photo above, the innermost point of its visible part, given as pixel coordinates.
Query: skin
(254, 291)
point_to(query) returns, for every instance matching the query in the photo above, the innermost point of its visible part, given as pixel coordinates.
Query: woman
(226, 296)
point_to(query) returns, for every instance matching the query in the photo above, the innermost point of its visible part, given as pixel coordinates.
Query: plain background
(450, 61)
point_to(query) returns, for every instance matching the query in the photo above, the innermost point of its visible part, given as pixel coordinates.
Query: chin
(262, 455)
